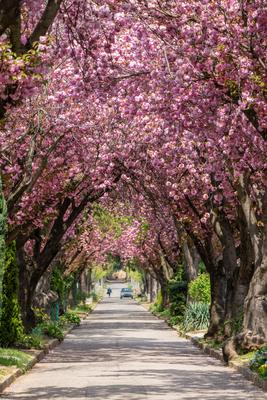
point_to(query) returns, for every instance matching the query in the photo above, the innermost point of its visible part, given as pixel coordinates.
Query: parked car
(126, 292)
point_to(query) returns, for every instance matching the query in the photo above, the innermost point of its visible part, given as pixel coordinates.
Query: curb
(250, 375)
(204, 347)
(10, 379)
(38, 356)
(243, 370)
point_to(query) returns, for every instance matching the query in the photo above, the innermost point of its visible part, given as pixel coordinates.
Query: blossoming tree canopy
(156, 109)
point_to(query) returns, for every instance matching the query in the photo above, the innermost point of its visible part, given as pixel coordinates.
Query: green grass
(164, 314)
(4, 372)
(9, 357)
(214, 344)
(82, 308)
(246, 358)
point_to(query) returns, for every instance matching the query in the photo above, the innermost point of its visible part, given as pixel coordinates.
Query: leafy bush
(62, 285)
(177, 290)
(94, 295)
(72, 318)
(178, 304)
(199, 289)
(81, 296)
(10, 323)
(157, 306)
(38, 330)
(50, 329)
(83, 308)
(30, 342)
(176, 320)
(165, 313)
(259, 362)
(40, 315)
(196, 317)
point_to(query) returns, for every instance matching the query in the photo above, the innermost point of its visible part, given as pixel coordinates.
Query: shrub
(259, 362)
(40, 315)
(50, 329)
(176, 320)
(10, 322)
(157, 306)
(38, 330)
(30, 342)
(178, 304)
(72, 318)
(81, 296)
(83, 308)
(199, 289)
(95, 296)
(61, 283)
(165, 313)
(177, 289)
(196, 317)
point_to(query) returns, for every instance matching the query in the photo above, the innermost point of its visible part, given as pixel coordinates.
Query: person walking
(109, 291)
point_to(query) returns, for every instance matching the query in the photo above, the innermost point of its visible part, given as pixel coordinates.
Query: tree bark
(242, 276)
(255, 309)
(192, 260)
(3, 229)
(225, 234)
(218, 285)
(25, 290)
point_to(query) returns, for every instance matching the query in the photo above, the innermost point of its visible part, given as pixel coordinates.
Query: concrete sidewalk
(123, 352)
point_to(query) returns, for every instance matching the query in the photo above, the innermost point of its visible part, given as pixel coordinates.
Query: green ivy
(11, 328)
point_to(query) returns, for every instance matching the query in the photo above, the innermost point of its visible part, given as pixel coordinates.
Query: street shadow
(124, 354)
(176, 386)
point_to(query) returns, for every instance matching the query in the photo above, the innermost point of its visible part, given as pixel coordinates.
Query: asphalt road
(123, 352)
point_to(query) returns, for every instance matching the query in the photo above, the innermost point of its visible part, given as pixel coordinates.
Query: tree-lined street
(133, 141)
(123, 352)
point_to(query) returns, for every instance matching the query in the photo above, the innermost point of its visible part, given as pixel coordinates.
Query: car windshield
(126, 290)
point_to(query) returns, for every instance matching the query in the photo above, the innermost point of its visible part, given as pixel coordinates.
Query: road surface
(123, 353)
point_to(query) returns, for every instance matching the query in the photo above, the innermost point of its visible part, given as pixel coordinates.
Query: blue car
(126, 292)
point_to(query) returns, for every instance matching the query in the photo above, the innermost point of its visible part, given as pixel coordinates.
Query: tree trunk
(162, 281)
(164, 294)
(242, 276)
(150, 284)
(255, 310)
(44, 297)
(3, 220)
(192, 260)
(25, 290)
(217, 307)
(215, 268)
(254, 332)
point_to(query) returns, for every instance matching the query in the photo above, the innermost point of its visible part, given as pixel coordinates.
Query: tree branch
(45, 21)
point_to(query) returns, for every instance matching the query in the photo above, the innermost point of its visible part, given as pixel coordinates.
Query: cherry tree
(164, 101)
